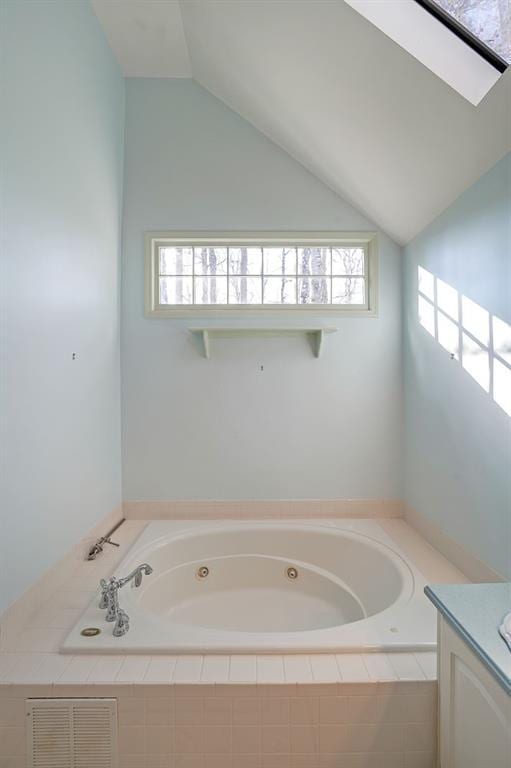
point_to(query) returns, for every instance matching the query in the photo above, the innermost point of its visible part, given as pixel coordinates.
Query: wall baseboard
(473, 568)
(265, 509)
(16, 615)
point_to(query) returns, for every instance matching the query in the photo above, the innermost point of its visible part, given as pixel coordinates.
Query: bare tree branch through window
(248, 275)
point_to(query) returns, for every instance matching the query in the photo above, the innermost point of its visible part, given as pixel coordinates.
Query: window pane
(277, 274)
(476, 361)
(488, 20)
(279, 261)
(448, 335)
(348, 290)
(211, 290)
(313, 290)
(347, 261)
(245, 290)
(502, 339)
(476, 320)
(426, 283)
(313, 261)
(210, 261)
(245, 261)
(502, 386)
(176, 290)
(280, 290)
(447, 299)
(426, 312)
(176, 261)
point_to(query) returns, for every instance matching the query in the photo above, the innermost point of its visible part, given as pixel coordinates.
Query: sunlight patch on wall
(481, 342)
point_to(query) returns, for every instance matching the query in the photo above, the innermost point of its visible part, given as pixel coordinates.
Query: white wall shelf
(315, 333)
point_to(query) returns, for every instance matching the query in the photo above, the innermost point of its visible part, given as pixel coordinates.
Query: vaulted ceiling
(352, 106)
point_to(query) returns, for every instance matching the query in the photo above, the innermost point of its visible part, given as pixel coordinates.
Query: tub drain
(202, 572)
(90, 632)
(292, 573)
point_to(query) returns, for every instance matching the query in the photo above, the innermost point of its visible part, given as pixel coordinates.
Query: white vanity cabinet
(474, 709)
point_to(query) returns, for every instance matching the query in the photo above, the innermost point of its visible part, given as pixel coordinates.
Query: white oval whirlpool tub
(255, 587)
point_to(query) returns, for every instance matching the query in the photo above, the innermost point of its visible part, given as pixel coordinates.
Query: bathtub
(264, 587)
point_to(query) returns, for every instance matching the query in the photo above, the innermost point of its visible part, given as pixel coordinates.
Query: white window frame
(155, 240)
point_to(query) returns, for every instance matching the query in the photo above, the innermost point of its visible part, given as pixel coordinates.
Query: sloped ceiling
(146, 36)
(333, 91)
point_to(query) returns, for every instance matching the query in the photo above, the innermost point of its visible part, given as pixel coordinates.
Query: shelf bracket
(317, 342)
(205, 342)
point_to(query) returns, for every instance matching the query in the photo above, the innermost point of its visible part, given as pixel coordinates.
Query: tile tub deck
(372, 710)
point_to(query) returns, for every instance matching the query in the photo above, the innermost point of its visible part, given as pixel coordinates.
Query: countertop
(475, 611)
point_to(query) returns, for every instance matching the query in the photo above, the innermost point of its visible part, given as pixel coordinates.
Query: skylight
(466, 43)
(489, 21)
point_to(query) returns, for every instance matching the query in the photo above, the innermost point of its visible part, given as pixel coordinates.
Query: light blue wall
(62, 127)
(196, 429)
(224, 429)
(458, 441)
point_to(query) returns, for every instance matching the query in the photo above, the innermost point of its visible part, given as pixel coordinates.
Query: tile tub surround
(300, 711)
(473, 568)
(263, 510)
(324, 725)
(70, 582)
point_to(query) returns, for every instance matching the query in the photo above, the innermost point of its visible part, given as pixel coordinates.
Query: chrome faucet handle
(108, 590)
(103, 600)
(97, 548)
(122, 623)
(109, 541)
(111, 599)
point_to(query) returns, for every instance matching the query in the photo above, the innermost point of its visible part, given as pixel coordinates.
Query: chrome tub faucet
(109, 599)
(136, 575)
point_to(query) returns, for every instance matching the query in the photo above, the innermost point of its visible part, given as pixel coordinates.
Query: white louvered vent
(72, 733)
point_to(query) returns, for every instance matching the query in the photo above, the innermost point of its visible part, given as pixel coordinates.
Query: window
(481, 342)
(467, 43)
(483, 24)
(189, 273)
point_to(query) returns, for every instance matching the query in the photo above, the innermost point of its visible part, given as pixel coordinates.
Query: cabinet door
(475, 712)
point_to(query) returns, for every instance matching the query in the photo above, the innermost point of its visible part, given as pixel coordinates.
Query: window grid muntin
(297, 275)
